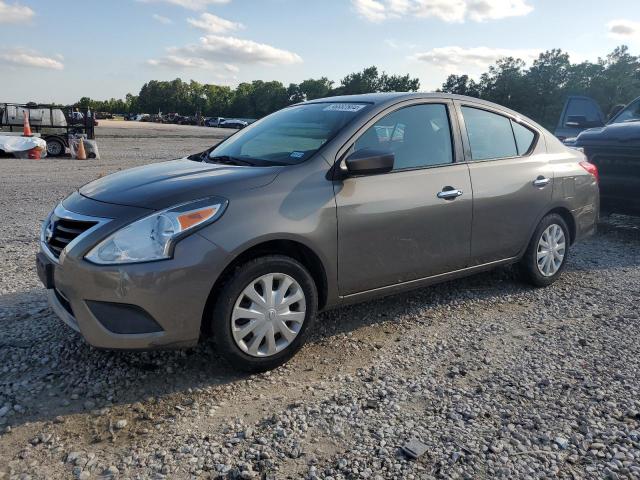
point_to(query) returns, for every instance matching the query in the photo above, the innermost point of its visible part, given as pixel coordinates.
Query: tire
(550, 267)
(254, 352)
(55, 147)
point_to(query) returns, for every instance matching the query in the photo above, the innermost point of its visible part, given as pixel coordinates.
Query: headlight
(153, 237)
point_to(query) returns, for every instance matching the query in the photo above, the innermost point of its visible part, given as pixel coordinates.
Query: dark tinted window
(419, 136)
(524, 137)
(582, 107)
(631, 113)
(490, 134)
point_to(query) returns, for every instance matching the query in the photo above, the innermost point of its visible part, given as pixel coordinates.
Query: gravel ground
(496, 379)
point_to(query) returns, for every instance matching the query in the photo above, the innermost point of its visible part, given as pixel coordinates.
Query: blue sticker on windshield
(297, 154)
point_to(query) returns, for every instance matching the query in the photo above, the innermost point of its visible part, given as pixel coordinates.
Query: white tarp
(11, 144)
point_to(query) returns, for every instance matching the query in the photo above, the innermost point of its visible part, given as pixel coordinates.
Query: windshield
(631, 113)
(289, 136)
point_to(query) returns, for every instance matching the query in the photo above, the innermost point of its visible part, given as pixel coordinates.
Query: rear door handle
(449, 193)
(541, 181)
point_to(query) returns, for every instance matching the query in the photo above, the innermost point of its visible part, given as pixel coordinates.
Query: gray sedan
(323, 203)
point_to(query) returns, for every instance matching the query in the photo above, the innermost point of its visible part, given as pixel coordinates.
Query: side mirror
(615, 111)
(369, 162)
(580, 121)
(576, 121)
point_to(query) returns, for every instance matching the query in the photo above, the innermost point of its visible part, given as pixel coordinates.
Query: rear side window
(490, 135)
(524, 137)
(419, 136)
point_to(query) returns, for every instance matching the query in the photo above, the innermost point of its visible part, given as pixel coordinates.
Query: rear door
(397, 227)
(511, 178)
(578, 114)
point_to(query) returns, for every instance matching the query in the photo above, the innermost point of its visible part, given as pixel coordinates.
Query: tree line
(247, 100)
(538, 91)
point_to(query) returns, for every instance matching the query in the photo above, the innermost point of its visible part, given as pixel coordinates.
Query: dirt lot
(497, 379)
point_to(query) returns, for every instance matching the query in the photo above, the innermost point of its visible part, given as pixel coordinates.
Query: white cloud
(213, 24)
(232, 50)
(397, 45)
(470, 60)
(15, 13)
(18, 57)
(624, 29)
(446, 10)
(161, 19)
(174, 61)
(189, 4)
(222, 72)
(372, 10)
(482, 10)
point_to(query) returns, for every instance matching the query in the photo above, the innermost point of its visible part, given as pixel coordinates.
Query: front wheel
(264, 313)
(546, 255)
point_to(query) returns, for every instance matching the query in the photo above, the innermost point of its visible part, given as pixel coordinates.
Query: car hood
(616, 133)
(161, 185)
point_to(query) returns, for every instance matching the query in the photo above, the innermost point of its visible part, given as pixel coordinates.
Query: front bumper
(170, 294)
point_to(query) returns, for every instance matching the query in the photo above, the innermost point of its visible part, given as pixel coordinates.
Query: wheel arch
(567, 216)
(287, 247)
(59, 138)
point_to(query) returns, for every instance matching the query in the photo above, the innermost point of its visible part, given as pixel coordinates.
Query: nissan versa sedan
(320, 204)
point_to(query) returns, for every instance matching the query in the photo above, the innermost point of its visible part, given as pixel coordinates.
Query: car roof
(385, 97)
(390, 98)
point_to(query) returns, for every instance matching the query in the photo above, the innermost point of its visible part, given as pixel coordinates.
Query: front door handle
(449, 193)
(541, 182)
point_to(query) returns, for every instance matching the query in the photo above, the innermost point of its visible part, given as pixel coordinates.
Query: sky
(61, 50)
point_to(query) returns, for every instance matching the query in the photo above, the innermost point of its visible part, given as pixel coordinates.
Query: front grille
(62, 231)
(623, 162)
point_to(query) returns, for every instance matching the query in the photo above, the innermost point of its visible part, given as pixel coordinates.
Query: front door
(410, 223)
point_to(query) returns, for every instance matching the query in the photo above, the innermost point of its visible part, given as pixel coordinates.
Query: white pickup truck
(49, 121)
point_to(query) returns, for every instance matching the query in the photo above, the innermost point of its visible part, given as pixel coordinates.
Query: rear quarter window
(524, 137)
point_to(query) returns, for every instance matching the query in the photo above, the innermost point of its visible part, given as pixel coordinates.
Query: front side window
(419, 136)
(490, 135)
(585, 109)
(289, 136)
(631, 113)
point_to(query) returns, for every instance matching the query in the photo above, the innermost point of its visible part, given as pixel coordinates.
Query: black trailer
(54, 123)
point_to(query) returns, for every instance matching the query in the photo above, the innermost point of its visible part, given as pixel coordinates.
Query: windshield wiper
(246, 161)
(227, 160)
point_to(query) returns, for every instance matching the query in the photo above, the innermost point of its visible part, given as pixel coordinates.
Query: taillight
(592, 169)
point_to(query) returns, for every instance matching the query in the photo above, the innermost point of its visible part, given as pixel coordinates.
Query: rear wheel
(264, 313)
(546, 255)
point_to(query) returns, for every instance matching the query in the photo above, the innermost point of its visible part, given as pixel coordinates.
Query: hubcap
(54, 148)
(551, 250)
(268, 315)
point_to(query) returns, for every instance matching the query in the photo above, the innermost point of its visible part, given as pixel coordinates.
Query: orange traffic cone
(81, 154)
(27, 128)
(34, 154)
